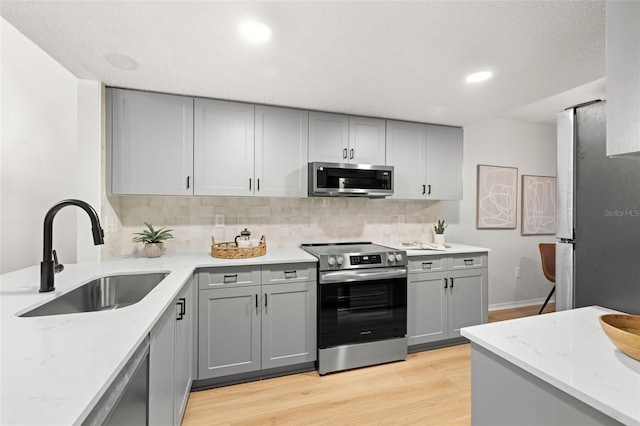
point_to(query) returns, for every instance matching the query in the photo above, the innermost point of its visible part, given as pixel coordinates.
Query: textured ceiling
(396, 59)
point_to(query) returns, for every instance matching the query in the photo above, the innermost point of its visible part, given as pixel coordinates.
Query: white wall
(39, 153)
(532, 149)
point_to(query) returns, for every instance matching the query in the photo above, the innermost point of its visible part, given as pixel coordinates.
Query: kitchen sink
(101, 294)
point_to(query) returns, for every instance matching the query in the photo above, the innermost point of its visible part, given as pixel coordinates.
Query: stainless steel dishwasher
(126, 402)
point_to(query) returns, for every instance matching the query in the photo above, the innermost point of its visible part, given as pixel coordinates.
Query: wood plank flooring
(429, 388)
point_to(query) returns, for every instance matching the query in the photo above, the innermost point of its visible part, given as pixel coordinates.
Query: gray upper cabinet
(151, 146)
(223, 147)
(281, 151)
(337, 138)
(427, 160)
(406, 151)
(444, 163)
(623, 77)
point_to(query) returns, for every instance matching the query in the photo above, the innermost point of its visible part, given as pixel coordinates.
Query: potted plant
(439, 228)
(153, 239)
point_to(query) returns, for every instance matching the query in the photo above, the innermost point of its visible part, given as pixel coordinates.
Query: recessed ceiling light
(255, 31)
(120, 61)
(479, 76)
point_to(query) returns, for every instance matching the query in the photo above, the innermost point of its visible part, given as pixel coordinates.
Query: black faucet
(49, 265)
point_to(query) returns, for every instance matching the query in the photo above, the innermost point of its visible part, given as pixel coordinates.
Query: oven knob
(331, 261)
(340, 260)
(399, 257)
(391, 257)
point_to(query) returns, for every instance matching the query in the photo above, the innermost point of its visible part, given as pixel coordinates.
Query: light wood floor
(429, 388)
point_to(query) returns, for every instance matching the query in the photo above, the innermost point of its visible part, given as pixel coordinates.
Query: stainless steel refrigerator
(598, 216)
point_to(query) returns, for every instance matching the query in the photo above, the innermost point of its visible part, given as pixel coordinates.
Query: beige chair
(548, 256)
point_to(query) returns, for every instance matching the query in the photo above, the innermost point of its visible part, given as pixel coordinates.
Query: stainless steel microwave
(350, 180)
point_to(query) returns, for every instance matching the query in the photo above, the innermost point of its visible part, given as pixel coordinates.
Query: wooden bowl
(624, 332)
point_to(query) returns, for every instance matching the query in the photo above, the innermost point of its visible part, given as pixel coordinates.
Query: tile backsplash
(285, 222)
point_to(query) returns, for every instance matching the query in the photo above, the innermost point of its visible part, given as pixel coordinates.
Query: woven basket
(229, 250)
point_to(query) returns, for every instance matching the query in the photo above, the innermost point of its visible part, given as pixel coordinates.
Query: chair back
(548, 256)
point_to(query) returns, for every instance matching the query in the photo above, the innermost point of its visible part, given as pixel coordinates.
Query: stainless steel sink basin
(104, 293)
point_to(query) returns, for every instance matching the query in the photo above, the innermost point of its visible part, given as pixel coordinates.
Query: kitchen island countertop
(570, 351)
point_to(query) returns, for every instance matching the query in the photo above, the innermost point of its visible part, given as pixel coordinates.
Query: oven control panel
(373, 259)
(354, 261)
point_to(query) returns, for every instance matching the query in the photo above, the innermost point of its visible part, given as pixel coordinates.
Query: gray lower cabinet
(170, 358)
(445, 293)
(288, 324)
(228, 331)
(256, 320)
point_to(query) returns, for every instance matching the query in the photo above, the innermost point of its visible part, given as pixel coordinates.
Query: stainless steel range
(362, 304)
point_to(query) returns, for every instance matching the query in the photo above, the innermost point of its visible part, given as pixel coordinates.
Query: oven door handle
(361, 275)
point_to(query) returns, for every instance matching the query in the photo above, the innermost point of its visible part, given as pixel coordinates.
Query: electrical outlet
(517, 272)
(219, 220)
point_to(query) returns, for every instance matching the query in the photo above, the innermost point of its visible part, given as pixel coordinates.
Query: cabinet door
(288, 324)
(406, 151)
(366, 141)
(223, 148)
(184, 350)
(426, 308)
(444, 163)
(152, 143)
(468, 303)
(229, 331)
(161, 367)
(623, 77)
(328, 137)
(282, 143)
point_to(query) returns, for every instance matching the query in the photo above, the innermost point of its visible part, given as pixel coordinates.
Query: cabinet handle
(249, 184)
(344, 153)
(451, 283)
(231, 278)
(426, 265)
(429, 192)
(258, 185)
(256, 304)
(351, 154)
(287, 273)
(424, 189)
(188, 181)
(181, 303)
(446, 283)
(265, 300)
(468, 262)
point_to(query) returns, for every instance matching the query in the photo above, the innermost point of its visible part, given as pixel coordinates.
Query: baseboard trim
(519, 304)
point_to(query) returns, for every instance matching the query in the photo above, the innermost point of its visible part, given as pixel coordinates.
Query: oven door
(361, 306)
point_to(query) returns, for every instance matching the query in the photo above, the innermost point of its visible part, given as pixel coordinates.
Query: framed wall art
(497, 197)
(538, 205)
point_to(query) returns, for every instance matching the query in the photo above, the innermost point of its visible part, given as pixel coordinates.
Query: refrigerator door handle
(564, 276)
(565, 175)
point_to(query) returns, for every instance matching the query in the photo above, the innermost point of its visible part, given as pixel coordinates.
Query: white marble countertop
(452, 249)
(570, 351)
(55, 368)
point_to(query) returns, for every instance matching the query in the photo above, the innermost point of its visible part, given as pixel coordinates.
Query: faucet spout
(49, 266)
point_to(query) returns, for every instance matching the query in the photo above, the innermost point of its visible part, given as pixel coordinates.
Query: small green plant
(151, 235)
(440, 227)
